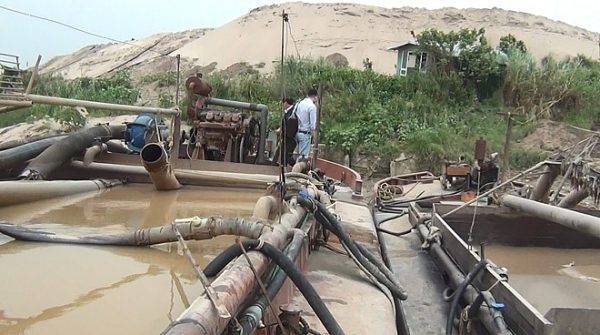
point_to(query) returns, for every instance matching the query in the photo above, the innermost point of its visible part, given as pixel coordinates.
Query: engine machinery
(229, 136)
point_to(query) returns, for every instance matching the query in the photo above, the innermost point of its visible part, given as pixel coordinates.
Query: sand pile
(352, 31)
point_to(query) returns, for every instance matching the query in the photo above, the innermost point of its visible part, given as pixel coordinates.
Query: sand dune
(354, 31)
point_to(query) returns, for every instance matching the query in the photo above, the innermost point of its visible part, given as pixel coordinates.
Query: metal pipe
(62, 151)
(41, 99)
(20, 192)
(264, 119)
(155, 161)
(544, 183)
(456, 278)
(234, 285)
(25, 152)
(16, 103)
(265, 207)
(227, 179)
(118, 148)
(196, 229)
(574, 198)
(92, 152)
(578, 221)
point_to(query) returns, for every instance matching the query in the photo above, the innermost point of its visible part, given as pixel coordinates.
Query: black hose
(22, 141)
(373, 265)
(397, 234)
(62, 151)
(248, 321)
(401, 322)
(379, 223)
(220, 262)
(459, 292)
(292, 271)
(393, 233)
(24, 152)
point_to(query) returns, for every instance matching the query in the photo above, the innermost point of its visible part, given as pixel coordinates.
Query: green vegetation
(435, 115)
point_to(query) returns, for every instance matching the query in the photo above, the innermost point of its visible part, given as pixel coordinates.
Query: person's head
(287, 102)
(313, 95)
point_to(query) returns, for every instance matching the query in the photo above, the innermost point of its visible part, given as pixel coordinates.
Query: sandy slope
(355, 31)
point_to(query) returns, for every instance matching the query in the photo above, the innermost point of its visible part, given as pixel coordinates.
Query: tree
(510, 42)
(467, 54)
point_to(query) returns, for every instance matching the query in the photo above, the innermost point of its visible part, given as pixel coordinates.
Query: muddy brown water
(67, 289)
(549, 277)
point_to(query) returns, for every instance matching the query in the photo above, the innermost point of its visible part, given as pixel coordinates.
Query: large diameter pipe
(92, 152)
(19, 192)
(234, 285)
(196, 229)
(41, 99)
(62, 151)
(574, 198)
(21, 141)
(578, 221)
(154, 159)
(544, 183)
(264, 119)
(25, 152)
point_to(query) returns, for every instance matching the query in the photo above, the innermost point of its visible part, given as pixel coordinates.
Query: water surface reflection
(53, 289)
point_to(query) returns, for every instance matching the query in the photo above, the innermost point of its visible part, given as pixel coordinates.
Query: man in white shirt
(306, 112)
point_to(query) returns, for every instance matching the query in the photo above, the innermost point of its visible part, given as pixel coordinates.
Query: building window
(421, 60)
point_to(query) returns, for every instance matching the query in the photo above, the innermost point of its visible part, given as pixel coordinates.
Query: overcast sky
(126, 19)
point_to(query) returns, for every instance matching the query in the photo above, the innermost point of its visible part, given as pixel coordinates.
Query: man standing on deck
(290, 125)
(306, 112)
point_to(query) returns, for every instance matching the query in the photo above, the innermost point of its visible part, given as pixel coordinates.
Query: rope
(386, 191)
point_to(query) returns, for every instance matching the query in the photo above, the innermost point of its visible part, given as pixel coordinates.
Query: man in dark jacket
(289, 124)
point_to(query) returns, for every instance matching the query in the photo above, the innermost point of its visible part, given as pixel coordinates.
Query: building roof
(405, 44)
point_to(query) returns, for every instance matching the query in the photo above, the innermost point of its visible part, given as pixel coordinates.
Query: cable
(305, 287)
(78, 29)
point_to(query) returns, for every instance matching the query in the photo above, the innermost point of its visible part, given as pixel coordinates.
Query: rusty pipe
(574, 198)
(301, 167)
(265, 207)
(154, 159)
(196, 229)
(578, 221)
(544, 183)
(92, 152)
(233, 285)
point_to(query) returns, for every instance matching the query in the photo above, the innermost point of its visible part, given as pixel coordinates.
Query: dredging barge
(292, 220)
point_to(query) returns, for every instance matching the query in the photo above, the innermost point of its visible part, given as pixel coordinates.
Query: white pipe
(24, 191)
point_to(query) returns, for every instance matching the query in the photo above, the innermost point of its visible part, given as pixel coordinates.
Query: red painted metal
(344, 174)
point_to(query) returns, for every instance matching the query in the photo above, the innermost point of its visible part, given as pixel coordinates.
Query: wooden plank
(519, 314)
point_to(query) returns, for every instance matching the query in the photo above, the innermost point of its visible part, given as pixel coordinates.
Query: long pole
(282, 148)
(506, 155)
(318, 127)
(41, 99)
